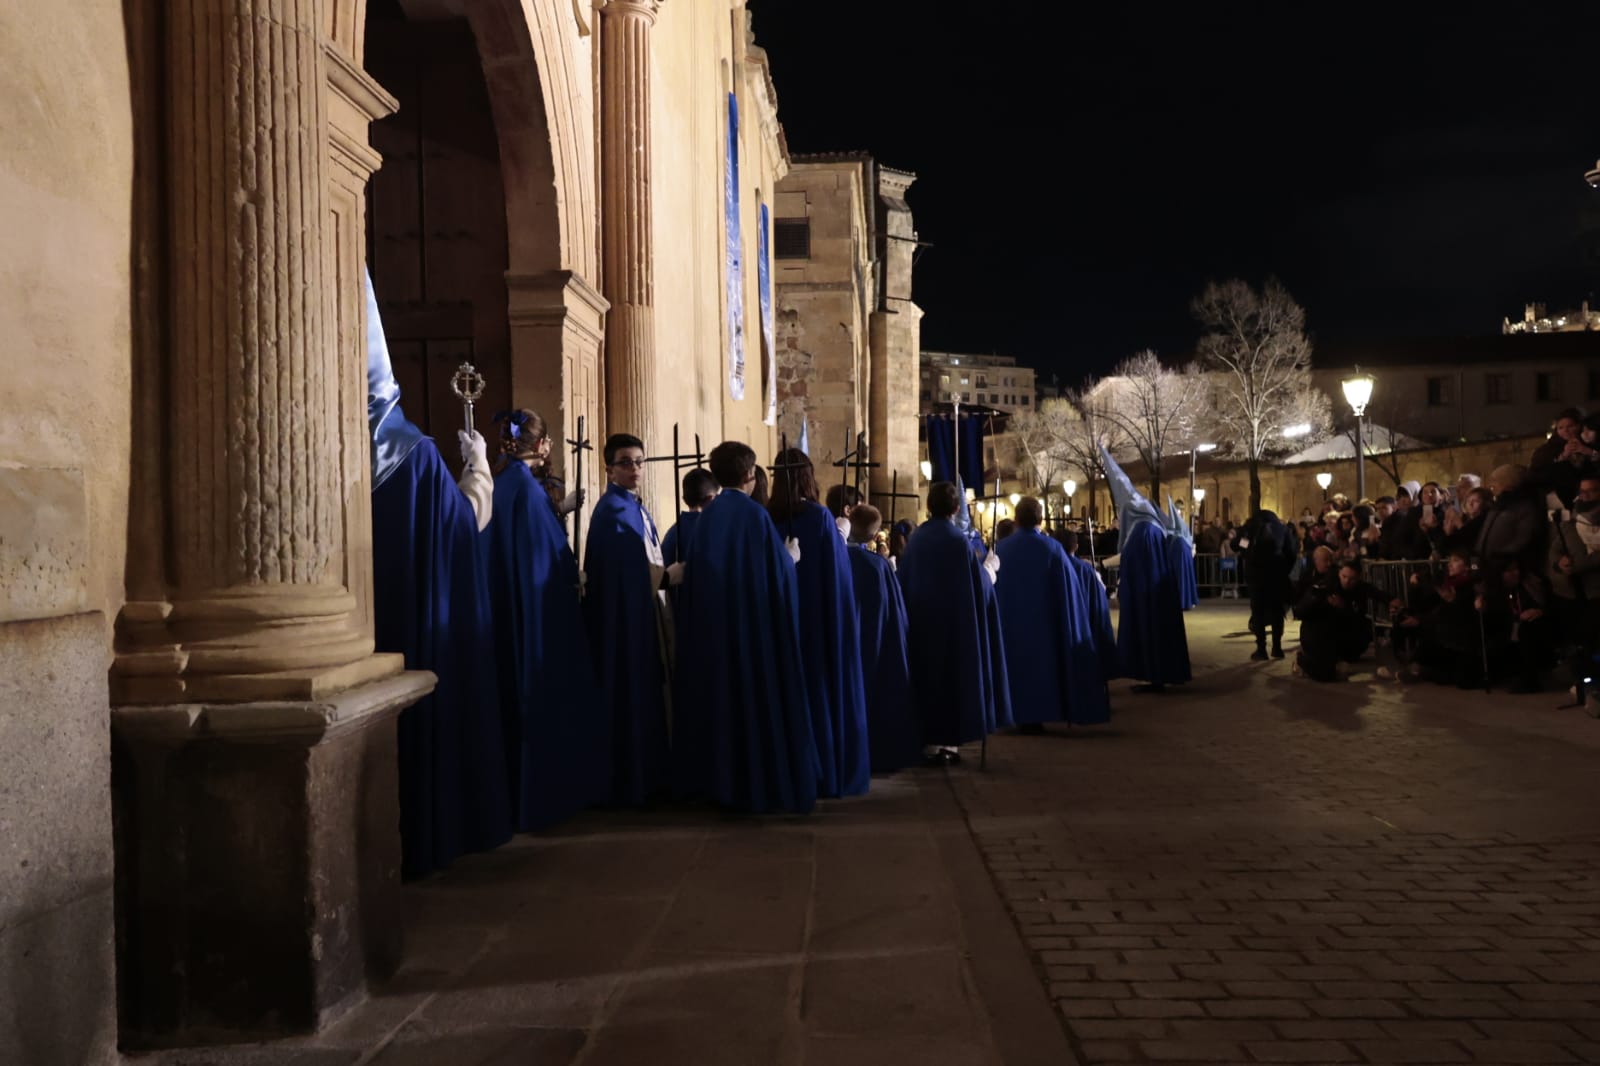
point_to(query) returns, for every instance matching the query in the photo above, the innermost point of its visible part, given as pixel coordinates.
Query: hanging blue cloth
(622, 612)
(431, 604)
(893, 732)
(830, 645)
(1052, 661)
(558, 747)
(744, 732)
(954, 643)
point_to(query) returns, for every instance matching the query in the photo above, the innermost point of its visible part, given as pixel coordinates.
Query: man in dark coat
(1269, 548)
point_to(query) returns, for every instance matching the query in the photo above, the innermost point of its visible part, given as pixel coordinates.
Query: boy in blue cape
(431, 603)
(894, 735)
(1052, 660)
(744, 722)
(954, 643)
(625, 581)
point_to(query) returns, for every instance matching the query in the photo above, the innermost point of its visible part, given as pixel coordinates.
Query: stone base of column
(257, 862)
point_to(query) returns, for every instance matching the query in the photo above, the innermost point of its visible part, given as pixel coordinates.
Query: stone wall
(65, 208)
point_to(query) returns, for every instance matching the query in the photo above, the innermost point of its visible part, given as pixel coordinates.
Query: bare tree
(1256, 347)
(1089, 427)
(1040, 436)
(1159, 410)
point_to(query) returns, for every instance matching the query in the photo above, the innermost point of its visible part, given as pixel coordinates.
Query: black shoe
(1259, 655)
(951, 757)
(1277, 651)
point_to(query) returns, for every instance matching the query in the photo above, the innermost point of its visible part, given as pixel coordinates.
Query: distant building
(992, 380)
(1536, 320)
(848, 330)
(1473, 388)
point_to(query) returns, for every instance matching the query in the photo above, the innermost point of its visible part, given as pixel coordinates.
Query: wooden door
(437, 223)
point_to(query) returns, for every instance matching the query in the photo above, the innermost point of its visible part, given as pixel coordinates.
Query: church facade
(574, 195)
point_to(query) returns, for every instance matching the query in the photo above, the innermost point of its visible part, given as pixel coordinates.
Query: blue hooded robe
(744, 734)
(1180, 547)
(1105, 635)
(431, 604)
(558, 744)
(1151, 642)
(830, 644)
(893, 733)
(675, 545)
(954, 643)
(1051, 658)
(623, 614)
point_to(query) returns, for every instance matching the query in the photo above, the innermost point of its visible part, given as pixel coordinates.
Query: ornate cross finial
(467, 384)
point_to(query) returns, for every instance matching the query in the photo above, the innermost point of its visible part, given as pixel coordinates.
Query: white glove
(474, 450)
(991, 565)
(675, 574)
(792, 546)
(571, 502)
(475, 483)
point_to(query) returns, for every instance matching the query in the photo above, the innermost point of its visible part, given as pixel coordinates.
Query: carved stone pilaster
(255, 389)
(627, 250)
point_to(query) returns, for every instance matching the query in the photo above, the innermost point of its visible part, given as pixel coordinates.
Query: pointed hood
(393, 436)
(1180, 524)
(1132, 508)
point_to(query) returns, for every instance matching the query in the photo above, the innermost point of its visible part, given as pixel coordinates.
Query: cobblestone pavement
(1257, 868)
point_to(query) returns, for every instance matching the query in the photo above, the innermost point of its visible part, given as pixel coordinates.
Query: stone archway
(550, 317)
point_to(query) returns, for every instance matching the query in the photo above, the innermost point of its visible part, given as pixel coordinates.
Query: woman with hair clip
(557, 747)
(830, 642)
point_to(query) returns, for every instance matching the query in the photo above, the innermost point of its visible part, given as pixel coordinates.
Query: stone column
(256, 604)
(254, 757)
(627, 254)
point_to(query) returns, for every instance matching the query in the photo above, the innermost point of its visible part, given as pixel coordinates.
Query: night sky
(1083, 172)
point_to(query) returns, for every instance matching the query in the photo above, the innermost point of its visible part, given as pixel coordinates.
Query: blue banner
(769, 344)
(734, 271)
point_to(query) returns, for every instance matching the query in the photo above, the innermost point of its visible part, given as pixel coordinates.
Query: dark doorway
(436, 221)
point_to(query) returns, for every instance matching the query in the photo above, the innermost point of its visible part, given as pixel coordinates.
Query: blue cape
(1105, 635)
(830, 645)
(1051, 657)
(558, 750)
(674, 546)
(743, 725)
(954, 643)
(893, 733)
(620, 606)
(1151, 641)
(431, 604)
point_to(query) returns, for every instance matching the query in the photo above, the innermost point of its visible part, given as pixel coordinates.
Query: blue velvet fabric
(621, 608)
(1151, 643)
(830, 645)
(743, 727)
(1052, 661)
(558, 745)
(431, 604)
(674, 545)
(954, 643)
(893, 733)
(1099, 605)
(1180, 556)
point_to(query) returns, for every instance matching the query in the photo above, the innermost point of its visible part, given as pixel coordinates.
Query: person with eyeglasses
(624, 603)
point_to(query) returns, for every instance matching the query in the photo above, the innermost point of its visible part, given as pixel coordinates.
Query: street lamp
(1194, 454)
(1358, 393)
(1324, 480)
(1199, 502)
(1016, 498)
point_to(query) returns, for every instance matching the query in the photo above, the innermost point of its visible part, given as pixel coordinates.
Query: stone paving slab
(1261, 869)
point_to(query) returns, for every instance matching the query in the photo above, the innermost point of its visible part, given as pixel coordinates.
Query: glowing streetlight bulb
(1300, 430)
(1070, 486)
(1324, 480)
(1016, 498)
(1358, 392)
(1199, 497)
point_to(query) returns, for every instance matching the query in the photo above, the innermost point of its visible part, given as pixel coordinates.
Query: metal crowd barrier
(1218, 575)
(1393, 579)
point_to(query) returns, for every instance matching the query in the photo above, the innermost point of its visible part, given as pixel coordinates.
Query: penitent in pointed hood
(1180, 525)
(393, 436)
(1132, 508)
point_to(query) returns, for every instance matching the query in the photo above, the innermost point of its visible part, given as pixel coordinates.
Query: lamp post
(1324, 480)
(1194, 455)
(1199, 503)
(1068, 486)
(1358, 393)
